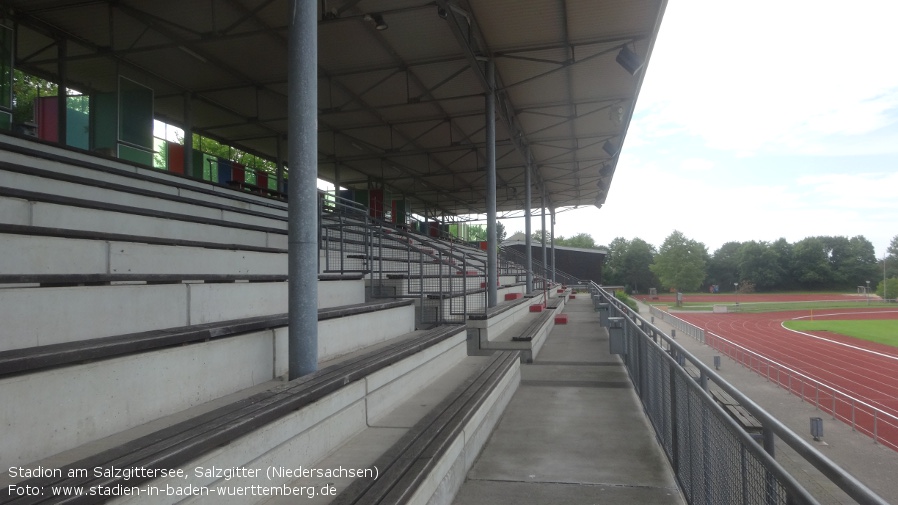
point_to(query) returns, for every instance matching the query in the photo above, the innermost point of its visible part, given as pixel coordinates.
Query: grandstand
(200, 322)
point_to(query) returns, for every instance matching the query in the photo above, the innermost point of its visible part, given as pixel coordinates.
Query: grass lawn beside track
(881, 331)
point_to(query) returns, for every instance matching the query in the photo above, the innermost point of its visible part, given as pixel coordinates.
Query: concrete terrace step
(159, 197)
(55, 232)
(30, 359)
(28, 208)
(449, 304)
(425, 451)
(515, 328)
(27, 254)
(307, 417)
(30, 157)
(149, 375)
(83, 312)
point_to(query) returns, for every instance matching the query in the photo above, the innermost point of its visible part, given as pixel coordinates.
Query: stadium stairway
(145, 327)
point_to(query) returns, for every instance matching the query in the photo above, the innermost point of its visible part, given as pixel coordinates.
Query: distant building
(585, 264)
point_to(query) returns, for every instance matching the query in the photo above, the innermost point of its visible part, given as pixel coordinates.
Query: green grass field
(882, 331)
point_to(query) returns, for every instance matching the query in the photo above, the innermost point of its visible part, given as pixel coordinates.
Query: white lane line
(877, 353)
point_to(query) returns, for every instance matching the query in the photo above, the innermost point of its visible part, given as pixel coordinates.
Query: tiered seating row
(30, 359)
(171, 447)
(131, 296)
(519, 324)
(436, 453)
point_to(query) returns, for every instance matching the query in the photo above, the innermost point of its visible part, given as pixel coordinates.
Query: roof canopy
(401, 83)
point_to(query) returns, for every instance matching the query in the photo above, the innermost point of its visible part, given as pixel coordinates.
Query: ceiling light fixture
(629, 60)
(378, 21)
(609, 148)
(616, 115)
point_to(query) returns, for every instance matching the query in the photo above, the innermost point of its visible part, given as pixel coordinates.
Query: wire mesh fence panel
(714, 458)
(871, 419)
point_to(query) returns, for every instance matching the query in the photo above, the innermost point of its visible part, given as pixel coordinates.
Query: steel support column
(492, 248)
(188, 135)
(61, 102)
(552, 235)
(543, 211)
(528, 241)
(336, 180)
(279, 147)
(302, 143)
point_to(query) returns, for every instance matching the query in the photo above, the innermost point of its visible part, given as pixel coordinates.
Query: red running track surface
(753, 297)
(864, 370)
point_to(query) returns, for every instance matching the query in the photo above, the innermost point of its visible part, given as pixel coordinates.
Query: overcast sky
(757, 121)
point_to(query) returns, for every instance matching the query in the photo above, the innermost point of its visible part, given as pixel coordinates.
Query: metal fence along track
(714, 458)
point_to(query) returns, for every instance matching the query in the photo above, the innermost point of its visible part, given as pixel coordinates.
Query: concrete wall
(59, 409)
(26, 255)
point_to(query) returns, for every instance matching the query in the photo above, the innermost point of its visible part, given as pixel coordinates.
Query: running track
(860, 369)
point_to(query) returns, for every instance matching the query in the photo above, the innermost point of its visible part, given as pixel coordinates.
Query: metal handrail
(772, 426)
(351, 228)
(519, 258)
(700, 335)
(846, 397)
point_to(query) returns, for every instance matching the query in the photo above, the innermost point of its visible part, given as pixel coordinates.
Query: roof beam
(468, 36)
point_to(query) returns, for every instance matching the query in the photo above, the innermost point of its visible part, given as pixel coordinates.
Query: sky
(758, 121)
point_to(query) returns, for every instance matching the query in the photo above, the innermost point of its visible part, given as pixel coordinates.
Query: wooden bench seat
(409, 463)
(498, 309)
(739, 413)
(57, 280)
(535, 326)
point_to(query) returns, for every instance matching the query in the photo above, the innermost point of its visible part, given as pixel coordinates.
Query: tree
(501, 233)
(860, 264)
(477, 232)
(635, 266)
(582, 240)
(783, 256)
(579, 240)
(723, 267)
(891, 291)
(891, 258)
(759, 263)
(680, 262)
(26, 89)
(810, 263)
(613, 273)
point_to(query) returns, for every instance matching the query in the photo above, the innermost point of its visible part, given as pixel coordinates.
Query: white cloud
(771, 75)
(649, 200)
(758, 121)
(697, 165)
(854, 192)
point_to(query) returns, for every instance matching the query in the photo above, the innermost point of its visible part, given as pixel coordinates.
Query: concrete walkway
(872, 464)
(574, 431)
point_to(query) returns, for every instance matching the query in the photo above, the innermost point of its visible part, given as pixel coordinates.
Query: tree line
(814, 263)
